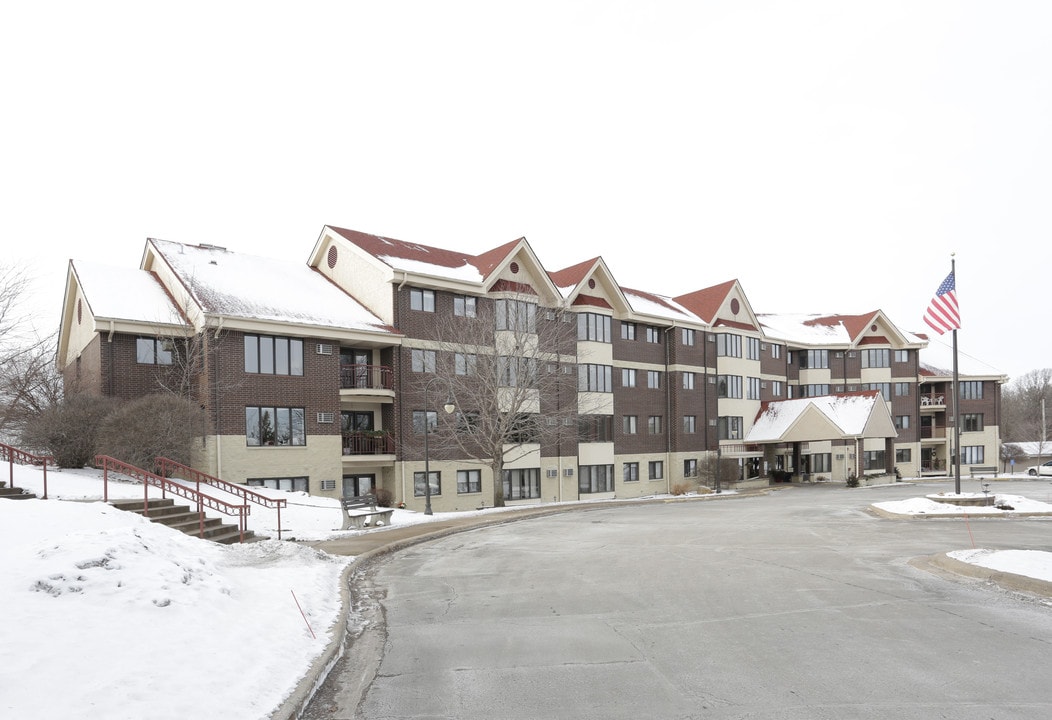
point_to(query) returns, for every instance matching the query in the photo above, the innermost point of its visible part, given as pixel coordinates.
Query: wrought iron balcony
(366, 377)
(368, 443)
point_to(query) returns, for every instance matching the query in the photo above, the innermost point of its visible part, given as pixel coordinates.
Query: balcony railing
(368, 443)
(366, 377)
(933, 399)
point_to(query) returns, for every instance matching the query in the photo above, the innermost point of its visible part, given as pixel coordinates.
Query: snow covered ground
(110, 616)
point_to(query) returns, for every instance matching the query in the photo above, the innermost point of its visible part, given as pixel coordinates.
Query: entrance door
(354, 364)
(355, 485)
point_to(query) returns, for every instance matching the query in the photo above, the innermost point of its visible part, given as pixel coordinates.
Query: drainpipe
(668, 413)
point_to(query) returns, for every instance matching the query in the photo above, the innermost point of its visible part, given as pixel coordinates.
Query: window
(690, 424)
(419, 489)
(752, 348)
(419, 417)
(594, 327)
(821, 462)
(467, 422)
(873, 460)
(902, 356)
(464, 306)
(423, 360)
(753, 388)
(776, 388)
(469, 481)
(516, 315)
(153, 351)
(630, 472)
(688, 381)
(687, 336)
(628, 331)
(524, 428)
(630, 424)
(973, 454)
(595, 428)
(884, 388)
(595, 479)
(275, 426)
(728, 345)
(776, 351)
(517, 371)
(690, 468)
(729, 428)
(628, 377)
(971, 390)
(288, 484)
(814, 359)
(654, 379)
(876, 358)
(728, 386)
(595, 378)
(655, 470)
(902, 422)
(522, 484)
(465, 364)
(814, 390)
(268, 355)
(653, 334)
(971, 422)
(902, 389)
(654, 424)
(903, 455)
(420, 299)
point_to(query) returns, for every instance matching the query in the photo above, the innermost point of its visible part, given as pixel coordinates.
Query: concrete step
(15, 493)
(185, 520)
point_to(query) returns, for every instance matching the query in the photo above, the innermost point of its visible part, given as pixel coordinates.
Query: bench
(360, 511)
(982, 470)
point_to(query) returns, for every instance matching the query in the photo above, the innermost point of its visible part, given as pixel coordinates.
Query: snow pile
(1029, 563)
(928, 506)
(109, 615)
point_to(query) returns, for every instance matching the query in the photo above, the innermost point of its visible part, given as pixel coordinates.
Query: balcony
(368, 443)
(366, 380)
(931, 401)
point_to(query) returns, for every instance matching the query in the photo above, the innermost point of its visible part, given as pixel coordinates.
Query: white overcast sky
(832, 156)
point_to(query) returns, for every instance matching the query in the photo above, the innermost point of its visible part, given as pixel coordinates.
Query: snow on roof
(937, 358)
(239, 285)
(125, 294)
(466, 272)
(805, 329)
(850, 413)
(647, 303)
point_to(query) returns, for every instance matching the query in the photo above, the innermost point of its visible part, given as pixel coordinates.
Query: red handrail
(166, 466)
(13, 455)
(148, 478)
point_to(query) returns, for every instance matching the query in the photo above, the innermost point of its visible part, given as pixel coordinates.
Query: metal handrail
(366, 377)
(166, 466)
(148, 479)
(13, 455)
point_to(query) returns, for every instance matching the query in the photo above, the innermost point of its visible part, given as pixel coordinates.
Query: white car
(1042, 469)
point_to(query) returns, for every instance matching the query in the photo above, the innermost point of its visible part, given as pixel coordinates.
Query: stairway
(14, 493)
(182, 518)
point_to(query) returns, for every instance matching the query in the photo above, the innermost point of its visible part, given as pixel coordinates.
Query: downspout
(668, 412)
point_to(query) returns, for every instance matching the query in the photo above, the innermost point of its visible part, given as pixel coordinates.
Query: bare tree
(1024, 409)
(29, 384)
(511, 373)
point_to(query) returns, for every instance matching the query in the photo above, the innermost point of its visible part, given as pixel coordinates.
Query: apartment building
(331, 377)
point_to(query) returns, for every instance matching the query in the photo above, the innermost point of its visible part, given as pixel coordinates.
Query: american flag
(942, 314)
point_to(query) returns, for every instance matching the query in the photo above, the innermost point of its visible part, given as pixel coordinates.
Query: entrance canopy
(829, 417)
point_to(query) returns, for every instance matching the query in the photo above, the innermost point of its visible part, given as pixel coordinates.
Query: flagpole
(956, 398)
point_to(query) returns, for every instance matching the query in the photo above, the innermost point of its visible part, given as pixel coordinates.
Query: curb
(942, 564)
(297, 701)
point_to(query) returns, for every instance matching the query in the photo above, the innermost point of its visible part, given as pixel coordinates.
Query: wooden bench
(360, 511)
(982, 470)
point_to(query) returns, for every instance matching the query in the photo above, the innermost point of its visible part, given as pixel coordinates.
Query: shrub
(384, 497)
(69, 430)
(680, 489)
(852, 480)
(155, 425)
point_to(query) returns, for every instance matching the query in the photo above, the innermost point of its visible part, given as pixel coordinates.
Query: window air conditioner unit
(326, 417)
(553, 473)
(328, 484)
(763, 346)
(839, 354)
(763, 386)
(324, 349)
(852, 354)
(712, 379)
(712, 338)
(568, 472)
(549, 315)
(712, 423)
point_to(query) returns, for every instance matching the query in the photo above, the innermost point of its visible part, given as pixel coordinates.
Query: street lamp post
(449, 406)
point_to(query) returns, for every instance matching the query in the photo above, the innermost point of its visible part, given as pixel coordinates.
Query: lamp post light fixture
(449, 406)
